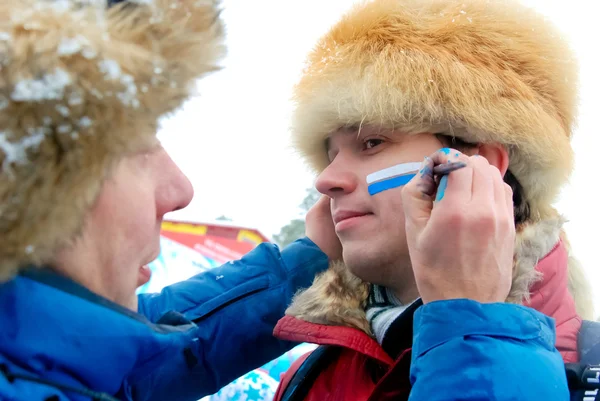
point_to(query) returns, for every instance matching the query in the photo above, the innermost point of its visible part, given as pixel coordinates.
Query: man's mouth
(347, 214)
(345, 218)
(144, 275)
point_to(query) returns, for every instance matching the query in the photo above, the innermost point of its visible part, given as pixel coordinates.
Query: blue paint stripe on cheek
(390, 183)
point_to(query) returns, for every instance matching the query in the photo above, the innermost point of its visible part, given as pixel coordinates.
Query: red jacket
(363, 371)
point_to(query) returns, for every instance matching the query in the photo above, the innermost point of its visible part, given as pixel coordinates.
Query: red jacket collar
(292, 329)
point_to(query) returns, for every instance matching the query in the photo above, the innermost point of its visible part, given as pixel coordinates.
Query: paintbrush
(447, 168)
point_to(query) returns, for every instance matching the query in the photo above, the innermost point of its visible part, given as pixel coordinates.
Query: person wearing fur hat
(392, 82)
(84, 185)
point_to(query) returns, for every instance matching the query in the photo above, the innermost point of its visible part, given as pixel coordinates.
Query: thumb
(417, 195)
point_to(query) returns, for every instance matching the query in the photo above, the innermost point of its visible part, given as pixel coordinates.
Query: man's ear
(496, 155)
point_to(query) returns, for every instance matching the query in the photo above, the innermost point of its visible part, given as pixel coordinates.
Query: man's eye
(371, 143)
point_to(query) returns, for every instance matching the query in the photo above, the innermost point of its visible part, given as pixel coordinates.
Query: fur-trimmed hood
(81, 86)
(338, 298)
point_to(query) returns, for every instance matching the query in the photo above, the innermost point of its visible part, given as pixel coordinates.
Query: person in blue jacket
(84, 186)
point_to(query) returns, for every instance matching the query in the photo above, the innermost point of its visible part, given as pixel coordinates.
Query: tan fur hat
(81, 86)
(485, 71)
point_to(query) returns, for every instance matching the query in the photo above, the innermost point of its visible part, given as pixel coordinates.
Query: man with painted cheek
(84, 186)
(452, 286)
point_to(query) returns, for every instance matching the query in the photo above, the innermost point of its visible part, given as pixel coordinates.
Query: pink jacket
(551, 297)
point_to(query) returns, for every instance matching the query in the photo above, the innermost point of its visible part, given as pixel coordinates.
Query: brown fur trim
(80, 87)
(533, 242)
(493, 71)
(338, 298)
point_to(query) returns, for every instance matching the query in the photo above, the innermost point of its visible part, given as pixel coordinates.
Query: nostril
(186, 194)
(176, 208)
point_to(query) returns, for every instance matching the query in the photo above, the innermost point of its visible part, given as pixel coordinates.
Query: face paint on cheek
(391, 177)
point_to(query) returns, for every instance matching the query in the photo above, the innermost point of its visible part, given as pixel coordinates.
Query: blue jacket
(186, 342)
(474, 351)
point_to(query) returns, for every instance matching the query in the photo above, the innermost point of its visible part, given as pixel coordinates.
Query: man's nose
(336, 180)
(177, 190)
(185, 192)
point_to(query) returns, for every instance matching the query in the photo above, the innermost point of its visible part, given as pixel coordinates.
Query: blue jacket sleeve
(470, 351)
(235, 308)
(262, 271)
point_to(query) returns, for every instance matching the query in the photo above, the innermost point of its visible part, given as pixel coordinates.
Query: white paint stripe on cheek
(398, 169)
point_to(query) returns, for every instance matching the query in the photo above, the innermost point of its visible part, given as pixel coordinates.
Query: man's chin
(372, 264)
(358, 262)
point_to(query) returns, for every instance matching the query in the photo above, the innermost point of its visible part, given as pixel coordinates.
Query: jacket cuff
(303, 256)
(441, 321)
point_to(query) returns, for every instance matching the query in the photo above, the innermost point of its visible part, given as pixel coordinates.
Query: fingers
(320, 228)
(323, 205)
(441, 190)
(319, 214)
(500, 188)
(440, 163)
(490, 190)
(485, 180)
(417, 195)
(456, 186)
(508, 198)
(478, 184)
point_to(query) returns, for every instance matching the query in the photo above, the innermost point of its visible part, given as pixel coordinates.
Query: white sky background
(232, 141)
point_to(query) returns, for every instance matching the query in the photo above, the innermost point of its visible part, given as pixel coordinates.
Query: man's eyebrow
(351, 127)
(346, 128)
